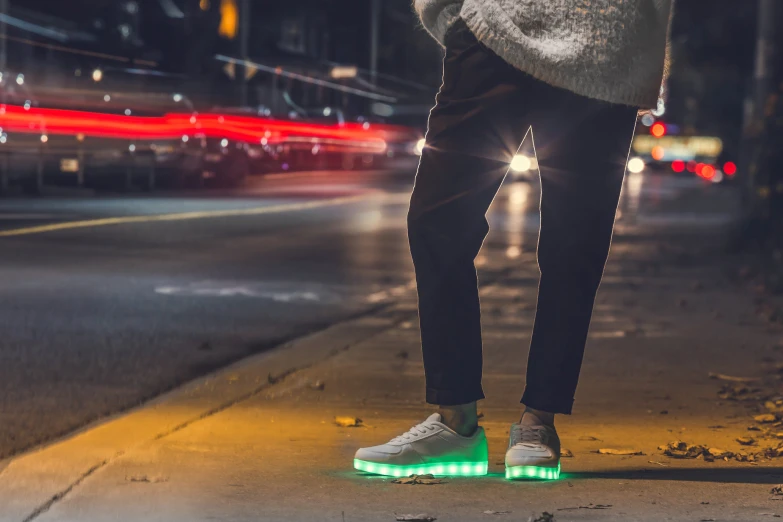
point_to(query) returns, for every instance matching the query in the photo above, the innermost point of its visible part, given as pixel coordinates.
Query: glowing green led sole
(454, 469)
(533, 472)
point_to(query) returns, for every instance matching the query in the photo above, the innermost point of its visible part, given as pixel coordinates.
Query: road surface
(109, 301)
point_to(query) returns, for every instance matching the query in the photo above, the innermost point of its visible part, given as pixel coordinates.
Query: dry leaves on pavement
(348, 422)
(623, 451)
(426, 480)
(746, 441)
(566, 453)
(777, 491)
(683, 450)
(739, 392)
(422, 517)
(490, 512)
(589, 506)
(765, 418)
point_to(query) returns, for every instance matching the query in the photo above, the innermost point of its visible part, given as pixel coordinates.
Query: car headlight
(419, 148)
(521, 163)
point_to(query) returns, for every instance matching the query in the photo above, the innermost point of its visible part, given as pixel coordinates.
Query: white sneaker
(428, 448)
(533, 452)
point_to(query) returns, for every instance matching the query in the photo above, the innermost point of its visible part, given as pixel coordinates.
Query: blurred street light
(343, 71)
(635, 165)
(229, 19)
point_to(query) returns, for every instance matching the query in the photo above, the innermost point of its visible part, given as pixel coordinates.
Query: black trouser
(482, 113)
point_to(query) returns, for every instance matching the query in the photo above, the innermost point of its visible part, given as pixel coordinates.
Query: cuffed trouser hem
(538, 401)
(452, 398)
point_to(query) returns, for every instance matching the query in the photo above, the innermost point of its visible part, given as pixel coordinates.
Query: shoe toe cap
(382, 453)
(531, 455)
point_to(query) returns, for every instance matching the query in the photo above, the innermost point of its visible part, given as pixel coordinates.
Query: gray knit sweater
(612, 50)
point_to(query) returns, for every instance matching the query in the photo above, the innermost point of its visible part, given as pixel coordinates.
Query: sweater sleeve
(437, 15)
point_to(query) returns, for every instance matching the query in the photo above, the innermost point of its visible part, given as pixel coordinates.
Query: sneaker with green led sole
(533, 453)
(428, 448)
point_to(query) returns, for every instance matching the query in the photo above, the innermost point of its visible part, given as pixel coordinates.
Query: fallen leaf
(612, 451)
(658, 463)
(682, 450)
(589, 506)
(746, 441)
(777, 490)
(544, 517)
(754, 428)
(566, 453)
(590, 438)
(416, 518)
(146, 478)
(737, 392)
(769, 515)
(426, 480)
(765, 418)
(348, 422)
(490, 512)
(731, 378)
(719, 453)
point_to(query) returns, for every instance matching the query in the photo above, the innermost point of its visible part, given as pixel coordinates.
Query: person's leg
(474, 131)
(582, 148)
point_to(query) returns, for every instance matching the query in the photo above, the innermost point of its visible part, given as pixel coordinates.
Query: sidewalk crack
(58, 496)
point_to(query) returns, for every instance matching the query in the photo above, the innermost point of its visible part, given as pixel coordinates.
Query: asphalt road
(108, 301)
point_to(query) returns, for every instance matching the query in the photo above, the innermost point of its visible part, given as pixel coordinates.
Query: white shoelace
(531, 435)
(414, 432)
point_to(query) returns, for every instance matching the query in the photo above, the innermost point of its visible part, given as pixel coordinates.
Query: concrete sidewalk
(257, 441)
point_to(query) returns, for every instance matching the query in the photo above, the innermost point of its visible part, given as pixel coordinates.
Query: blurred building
(173, 44)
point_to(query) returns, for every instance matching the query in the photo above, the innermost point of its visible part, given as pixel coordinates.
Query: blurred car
(661, 150)
(90, 137)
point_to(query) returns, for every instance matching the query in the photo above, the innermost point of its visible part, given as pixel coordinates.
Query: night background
(208, 300)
